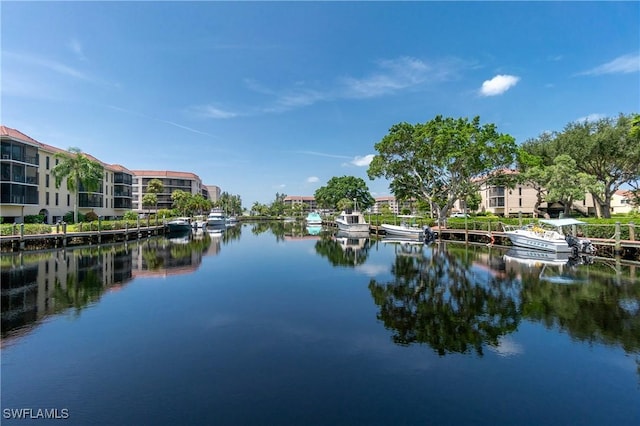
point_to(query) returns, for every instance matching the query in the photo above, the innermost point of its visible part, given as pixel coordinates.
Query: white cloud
(592, 117)
(312, 179)
(209, 111)
(75, 46)
(498, 85)
(58, 67)
(321, 154)
(621, 65)
(390, 76)
(363, 161)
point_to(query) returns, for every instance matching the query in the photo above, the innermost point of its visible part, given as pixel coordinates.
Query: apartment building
(28, 187)
(172, 181)
(214, 192)
(395, 206)
(308, 202)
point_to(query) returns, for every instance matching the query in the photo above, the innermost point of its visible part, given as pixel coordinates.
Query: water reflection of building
(37, 284)
(161, 257)
(34, 285)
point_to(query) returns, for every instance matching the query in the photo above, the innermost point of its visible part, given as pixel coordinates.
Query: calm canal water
(268, 324)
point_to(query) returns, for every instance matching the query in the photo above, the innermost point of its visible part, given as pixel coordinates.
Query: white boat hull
(353, 227)
(528, 239)
(405, 231)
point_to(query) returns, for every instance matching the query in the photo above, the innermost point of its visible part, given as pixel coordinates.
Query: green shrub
(68, 217)
(130, 215)
(90, 217)
(34, 218)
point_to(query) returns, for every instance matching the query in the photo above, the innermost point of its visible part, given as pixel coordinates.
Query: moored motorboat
(179, 224)
(314, 218)
(539, 237)
(352, 221)
(407, 228)
(216, 219)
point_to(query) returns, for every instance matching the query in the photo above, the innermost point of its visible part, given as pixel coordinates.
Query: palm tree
(79, 171)
(155, 186)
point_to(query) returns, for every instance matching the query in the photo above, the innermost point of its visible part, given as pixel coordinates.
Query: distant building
(308, 202)
(214, 192)
(171, 180)
(393, 204)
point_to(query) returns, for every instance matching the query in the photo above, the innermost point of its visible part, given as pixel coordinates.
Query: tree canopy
(442, 160)
(80, 172)
(349, 187)
(607, 149)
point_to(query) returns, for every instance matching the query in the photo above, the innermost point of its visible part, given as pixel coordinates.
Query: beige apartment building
(171, 180)
(308, 202)
(28, 187)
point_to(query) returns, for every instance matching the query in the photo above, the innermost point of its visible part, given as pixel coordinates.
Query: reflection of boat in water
(558, 268)
(314, 229)
(535, 257)
(404, 246)
(352, 234)
(540, 237)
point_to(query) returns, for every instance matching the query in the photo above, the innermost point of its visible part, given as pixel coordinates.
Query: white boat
(352, 221)
(232, 221)
(539, 237)
(314, 218)
(179, 224)
(407, 227)
(199, 222)
(216, 219)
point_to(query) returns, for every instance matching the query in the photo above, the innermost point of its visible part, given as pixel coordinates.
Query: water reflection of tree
(352, 252)
(439, 300)
(231, 234)
(595, 311)
(78, 291)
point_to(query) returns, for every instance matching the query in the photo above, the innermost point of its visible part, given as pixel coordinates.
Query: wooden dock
(64, 239)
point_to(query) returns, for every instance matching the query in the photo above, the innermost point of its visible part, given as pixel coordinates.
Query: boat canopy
(562, 222)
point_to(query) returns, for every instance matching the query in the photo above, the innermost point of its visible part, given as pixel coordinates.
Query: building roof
(16, 134)
(165, 174)
(299, 198)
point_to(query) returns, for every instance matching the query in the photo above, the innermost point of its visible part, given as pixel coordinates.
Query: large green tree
(442, 160)
(80, 172)
(565, 184)
(349, 187)
(607, 149)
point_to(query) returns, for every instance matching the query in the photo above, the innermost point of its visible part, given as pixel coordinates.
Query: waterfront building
(171, 180)
(307, 201)
(28, 187)
(392, 203)
(214, 192)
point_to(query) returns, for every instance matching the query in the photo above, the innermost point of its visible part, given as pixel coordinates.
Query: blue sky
(266, 97)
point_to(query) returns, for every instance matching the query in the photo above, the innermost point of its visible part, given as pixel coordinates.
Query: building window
(520, 192)
(68, 200)
(46, 179)
(46, 198)
(47, 161)
(520, 202)
(57, 161)
(57, 198)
